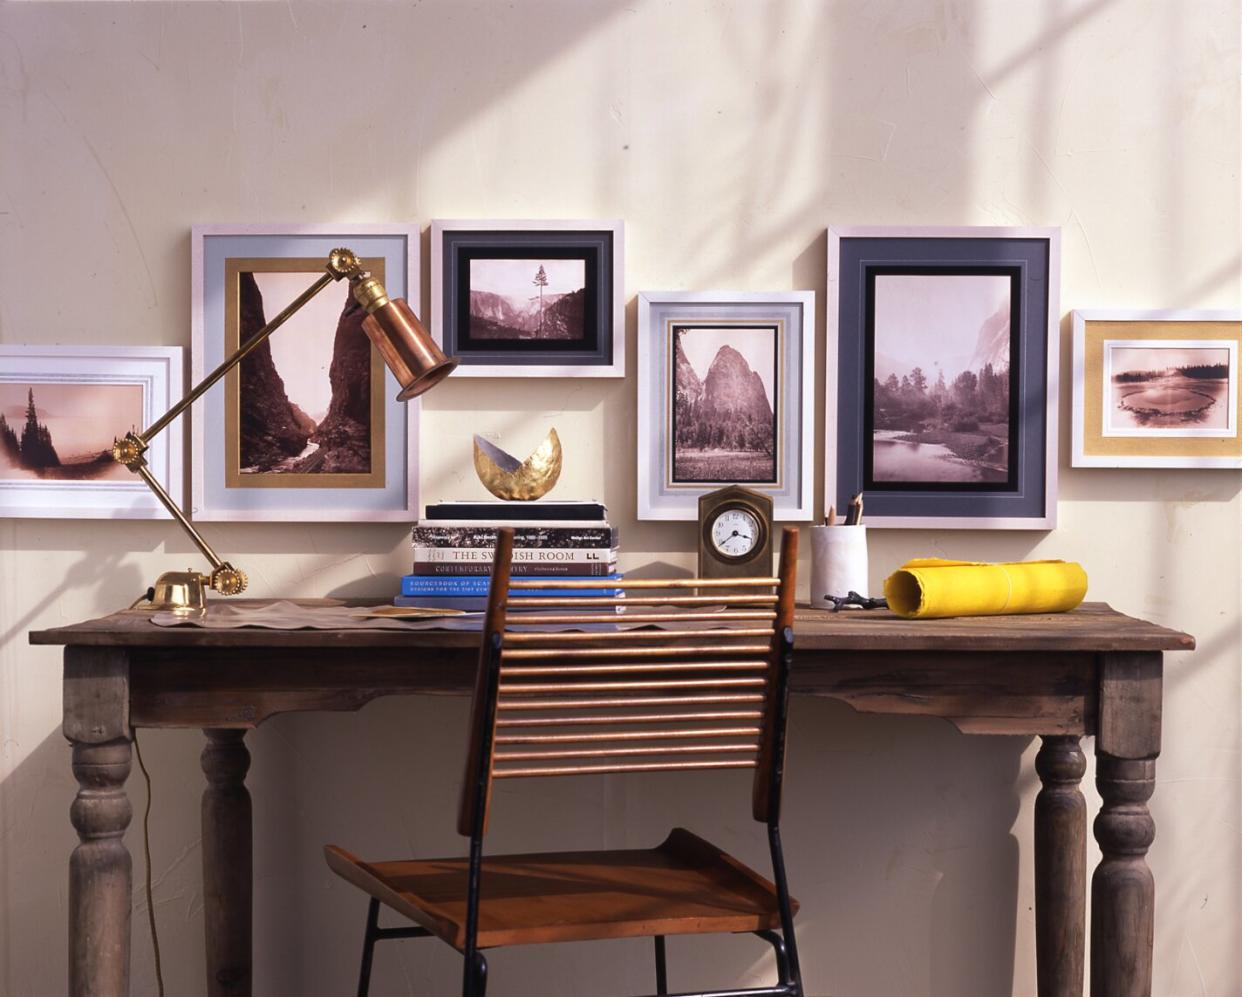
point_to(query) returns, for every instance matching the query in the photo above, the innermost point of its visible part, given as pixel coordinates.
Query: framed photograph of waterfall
(307, 427)
(61, 408)
(943, 401)
(1157, 389)
(529, 298)
(725, 396)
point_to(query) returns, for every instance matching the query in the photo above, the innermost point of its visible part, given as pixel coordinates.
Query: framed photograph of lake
(1157, 389)
(529, 298)
(725, 396)
(943, 402)
(61, 408)
(307, 427)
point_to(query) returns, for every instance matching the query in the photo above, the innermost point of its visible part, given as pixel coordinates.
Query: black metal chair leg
(476, 976)
(661, 966)
(368, 949)
(782, 958)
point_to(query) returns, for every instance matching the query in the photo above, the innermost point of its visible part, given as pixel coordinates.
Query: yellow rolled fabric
(931, 587)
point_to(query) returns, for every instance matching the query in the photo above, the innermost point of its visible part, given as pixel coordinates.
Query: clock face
(735, 533)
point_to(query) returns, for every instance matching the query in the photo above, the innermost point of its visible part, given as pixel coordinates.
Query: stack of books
(455, 544)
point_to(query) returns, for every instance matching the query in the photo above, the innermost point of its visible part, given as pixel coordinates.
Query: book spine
(472, 585)
(493, 511)
(596, 569)
(474, 604)
(485, 536)
(521, 555)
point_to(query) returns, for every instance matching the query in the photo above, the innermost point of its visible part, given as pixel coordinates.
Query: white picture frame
(213, 499)
(158, 372)
(602, 243)
(1034, 254)
(1096, 333)
(792, 313)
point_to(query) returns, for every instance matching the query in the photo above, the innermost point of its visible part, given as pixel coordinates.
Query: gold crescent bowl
(507, 478)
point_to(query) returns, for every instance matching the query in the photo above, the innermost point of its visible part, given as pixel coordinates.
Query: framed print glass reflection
(1157, 389)
(724, 397)
(307, 427)
(945, 392)
(61, 407)
(529, 298)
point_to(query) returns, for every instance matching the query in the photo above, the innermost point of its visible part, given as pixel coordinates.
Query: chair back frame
(777, 611)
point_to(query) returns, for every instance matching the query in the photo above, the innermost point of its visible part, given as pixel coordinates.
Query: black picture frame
(1025, 497)
(598, 352)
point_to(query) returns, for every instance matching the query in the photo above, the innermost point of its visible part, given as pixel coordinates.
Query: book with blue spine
(478, 585)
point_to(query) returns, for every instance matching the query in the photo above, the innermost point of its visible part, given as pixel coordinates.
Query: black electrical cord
(146, 852)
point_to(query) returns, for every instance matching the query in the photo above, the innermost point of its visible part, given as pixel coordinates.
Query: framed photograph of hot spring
(61, 407)
(1157, 388)
(529, 298)
(307, 428)
(726, 396)
(943, 402)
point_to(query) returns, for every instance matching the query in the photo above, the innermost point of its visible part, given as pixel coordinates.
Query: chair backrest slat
(705, 690)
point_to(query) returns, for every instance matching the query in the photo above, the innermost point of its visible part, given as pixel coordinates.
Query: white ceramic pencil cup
(838, 563)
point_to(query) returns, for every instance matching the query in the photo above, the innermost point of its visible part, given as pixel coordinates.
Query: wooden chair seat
(684, 886)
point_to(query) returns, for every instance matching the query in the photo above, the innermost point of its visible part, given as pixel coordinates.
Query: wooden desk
(1093, 671)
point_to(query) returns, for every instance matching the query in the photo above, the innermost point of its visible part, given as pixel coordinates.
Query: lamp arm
(166, 501)
(240, 354)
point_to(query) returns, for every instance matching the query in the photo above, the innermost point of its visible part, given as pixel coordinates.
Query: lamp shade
(409, 352)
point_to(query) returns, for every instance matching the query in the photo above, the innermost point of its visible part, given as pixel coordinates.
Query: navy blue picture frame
(1031, 257)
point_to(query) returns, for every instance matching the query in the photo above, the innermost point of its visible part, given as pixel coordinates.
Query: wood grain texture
(1131, 687)
(1060, 868)
(96, 694)
(100, 872)
(1090, 627)
(979, 692)
(1123, 891)
(683, 886)
(227, 864)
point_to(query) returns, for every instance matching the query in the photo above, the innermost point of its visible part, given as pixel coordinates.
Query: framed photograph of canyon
(943, 400)
(61, 407)
(725, 396)
(307, 427)
(1157, 389)
(529, 298)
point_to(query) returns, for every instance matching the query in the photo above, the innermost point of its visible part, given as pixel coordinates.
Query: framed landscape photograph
(943, 404)
(725, 396)
(1157, 389)
(61, 407)
(529, 298)
(307, 426)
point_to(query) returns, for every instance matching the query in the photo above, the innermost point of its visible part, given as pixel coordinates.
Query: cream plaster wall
(727, 135)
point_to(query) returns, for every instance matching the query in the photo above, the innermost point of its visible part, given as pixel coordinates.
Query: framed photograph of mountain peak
(944, 400)
(307, 427)
(529, 298)
(1157, 388)
(725, 396)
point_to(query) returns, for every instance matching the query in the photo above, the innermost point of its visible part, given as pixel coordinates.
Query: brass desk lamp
(409, 352)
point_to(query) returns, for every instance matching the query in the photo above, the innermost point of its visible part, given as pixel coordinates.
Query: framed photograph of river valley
(1157, 389)
(307, 427)
(943, 402)
(725, 397)
(61, 408)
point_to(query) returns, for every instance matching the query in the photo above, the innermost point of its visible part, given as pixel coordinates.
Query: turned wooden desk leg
(1123, 891)
(227, 864)
(96, 723)
(1060, 868)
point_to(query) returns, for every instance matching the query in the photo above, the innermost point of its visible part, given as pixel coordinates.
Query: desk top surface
(1093, 626)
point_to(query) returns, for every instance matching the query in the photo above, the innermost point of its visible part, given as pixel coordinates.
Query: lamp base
(182, 592)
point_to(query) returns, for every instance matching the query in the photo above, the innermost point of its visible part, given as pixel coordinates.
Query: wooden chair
(573, 702)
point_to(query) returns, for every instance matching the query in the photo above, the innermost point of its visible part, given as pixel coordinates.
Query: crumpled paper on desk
(286, 615)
